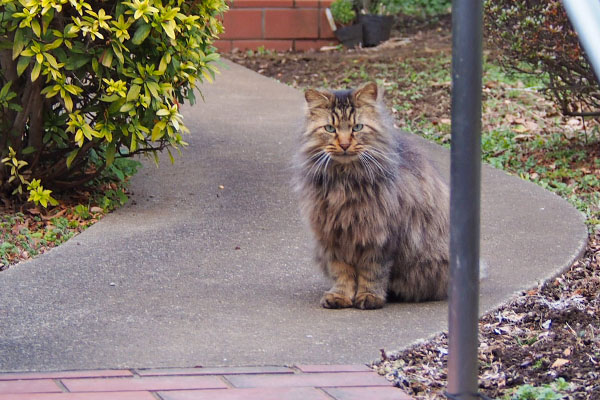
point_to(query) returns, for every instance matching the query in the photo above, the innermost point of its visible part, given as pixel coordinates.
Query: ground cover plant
(545, 343)
(27, 231)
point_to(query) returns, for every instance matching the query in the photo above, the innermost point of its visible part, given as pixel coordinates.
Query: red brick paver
(302, 382)
(80, 396)
(64, 374)
(248, 394)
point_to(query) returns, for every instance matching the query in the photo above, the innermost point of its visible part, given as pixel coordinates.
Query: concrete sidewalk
(210, 264)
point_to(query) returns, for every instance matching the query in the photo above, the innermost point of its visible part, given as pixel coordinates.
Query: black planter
(376, 28)
(350, 36)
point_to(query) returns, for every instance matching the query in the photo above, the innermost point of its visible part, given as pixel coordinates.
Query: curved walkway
(209, 264)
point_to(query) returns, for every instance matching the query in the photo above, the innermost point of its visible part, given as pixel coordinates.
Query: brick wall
(276, 25)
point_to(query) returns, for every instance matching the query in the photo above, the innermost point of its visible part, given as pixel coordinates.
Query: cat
(378, 209)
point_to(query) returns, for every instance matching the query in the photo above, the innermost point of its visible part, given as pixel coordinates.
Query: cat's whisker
(326, 176)
(314, 169)
(316, 155)
(365, 162)
(320, 165)
(372, 173)
(377, 163)
(380, 154)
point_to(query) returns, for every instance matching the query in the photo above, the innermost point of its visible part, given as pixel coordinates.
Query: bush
(536, 36)
(425, 8)
(86, 82)
(415, 8)
(343, 11)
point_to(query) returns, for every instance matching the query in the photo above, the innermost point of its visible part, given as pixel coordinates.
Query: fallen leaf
(559, 363)
(523, 137)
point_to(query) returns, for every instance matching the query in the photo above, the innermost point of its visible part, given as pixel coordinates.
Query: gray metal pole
(465, 184)
(585, 17)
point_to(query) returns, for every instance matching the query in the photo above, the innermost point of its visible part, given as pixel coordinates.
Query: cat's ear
(366, 94)
(317, 99)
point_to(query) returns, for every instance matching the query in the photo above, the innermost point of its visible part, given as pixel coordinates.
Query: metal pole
(585, 17)
(465, 184)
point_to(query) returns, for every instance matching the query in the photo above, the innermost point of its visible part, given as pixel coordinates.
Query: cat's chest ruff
(351, 207)
(348, 195)
(351, 217)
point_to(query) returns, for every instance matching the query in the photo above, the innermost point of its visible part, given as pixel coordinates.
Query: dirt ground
(349, 68)
(547, 333)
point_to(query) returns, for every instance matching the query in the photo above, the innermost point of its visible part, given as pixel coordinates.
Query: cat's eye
(330, 128)
(357, 127)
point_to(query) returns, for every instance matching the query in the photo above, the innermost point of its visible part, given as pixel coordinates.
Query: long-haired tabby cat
(378, 209)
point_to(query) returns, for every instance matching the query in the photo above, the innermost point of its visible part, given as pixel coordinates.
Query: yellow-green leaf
(164, 62)
(158, 131)
(46, 19)
(127, 107)
(118, 52)
(22, 64)
(79, 137)
(68, 102)
(133, 145)
(73, 89)
(110, 155)
(35, 27)
(72, 156)
(154, 88)
(53, 45)
(88, 131)
(207, 76)
(35, 72)
(107, 57)
(134, 92)
(51, 60)
(19, 43)
(110, 99)
(169, 28)
(141, 34)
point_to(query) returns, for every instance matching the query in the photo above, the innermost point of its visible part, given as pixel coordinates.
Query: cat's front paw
(335, 300)
(368, 301)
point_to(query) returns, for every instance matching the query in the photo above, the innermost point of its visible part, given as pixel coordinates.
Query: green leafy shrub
(84, 83)
(343, 11)
(538, 34)
(380, 7)
(415, 8)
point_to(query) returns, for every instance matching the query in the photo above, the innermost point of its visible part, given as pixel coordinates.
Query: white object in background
(330, 19)
(585, 17)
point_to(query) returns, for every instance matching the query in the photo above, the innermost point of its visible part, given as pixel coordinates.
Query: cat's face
(342, 123)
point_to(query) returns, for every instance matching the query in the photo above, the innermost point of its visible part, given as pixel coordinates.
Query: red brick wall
(276, 25)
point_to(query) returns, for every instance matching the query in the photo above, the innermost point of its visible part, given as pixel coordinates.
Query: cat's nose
(344, 146)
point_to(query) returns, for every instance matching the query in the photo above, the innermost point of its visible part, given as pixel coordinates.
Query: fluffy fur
(377, 207)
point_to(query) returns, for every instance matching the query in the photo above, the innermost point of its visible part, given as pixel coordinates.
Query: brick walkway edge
(301, 382)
